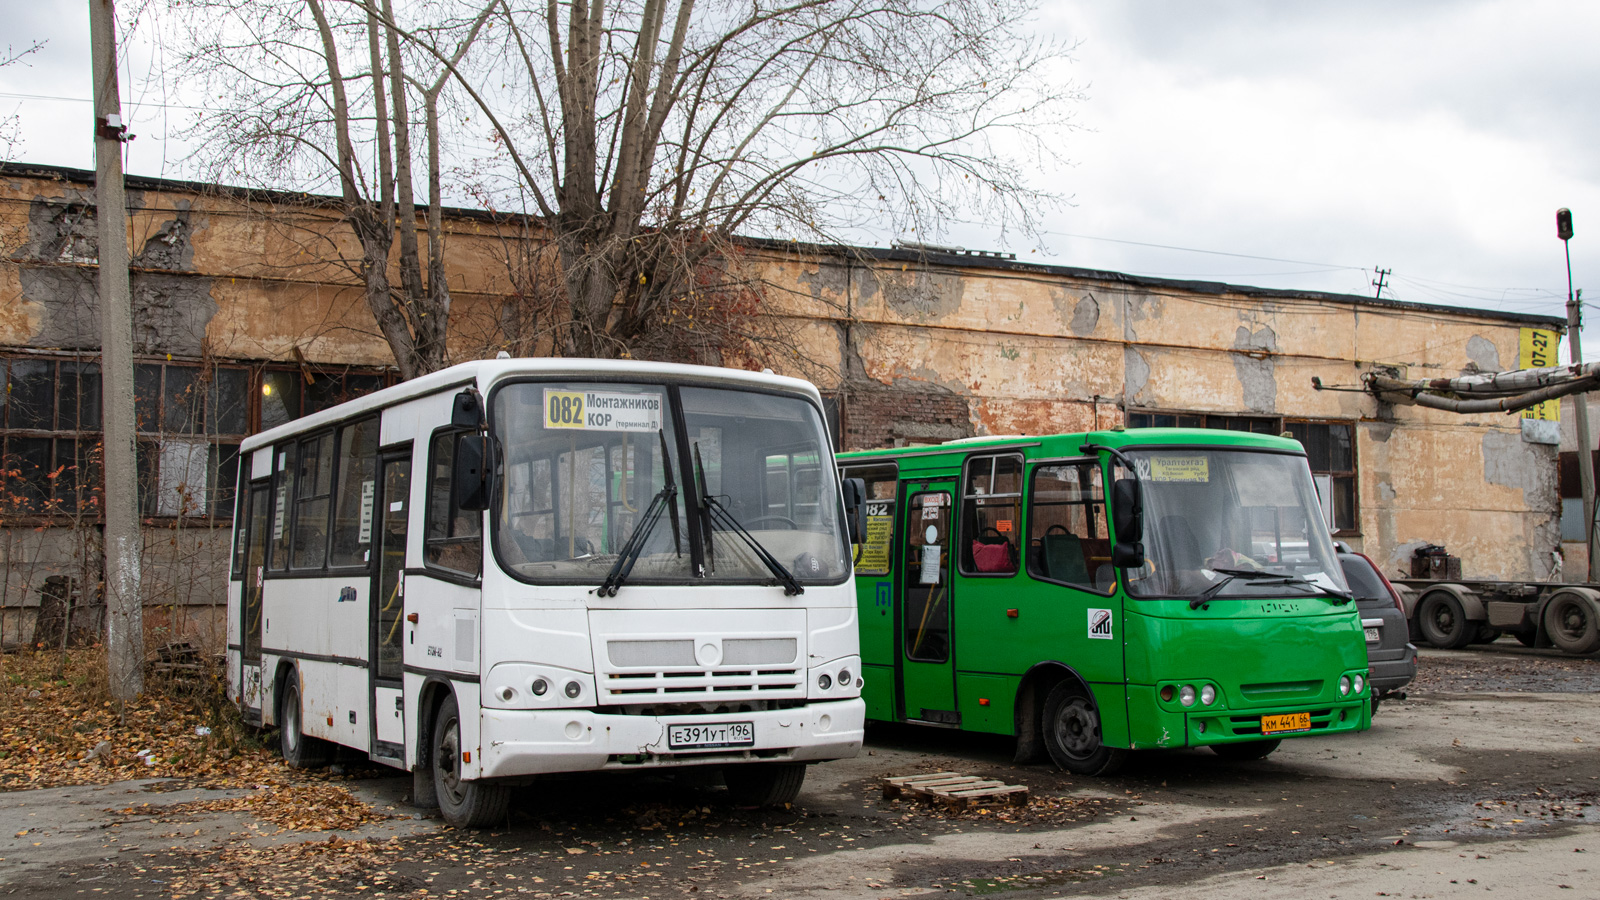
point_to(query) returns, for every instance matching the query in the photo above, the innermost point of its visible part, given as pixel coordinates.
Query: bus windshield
(1230, 515)
(585, 461)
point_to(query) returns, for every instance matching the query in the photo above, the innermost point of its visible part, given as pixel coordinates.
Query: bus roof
(485, 372)
(1062, 445)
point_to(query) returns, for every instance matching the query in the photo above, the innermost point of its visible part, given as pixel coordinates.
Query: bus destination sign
(602, 410)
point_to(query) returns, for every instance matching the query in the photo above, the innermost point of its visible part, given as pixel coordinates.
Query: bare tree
(649, 133)
(321, 96)
(11, 126)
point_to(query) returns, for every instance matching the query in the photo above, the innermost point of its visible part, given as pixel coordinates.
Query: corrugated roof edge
(955, 260)
(484, 372)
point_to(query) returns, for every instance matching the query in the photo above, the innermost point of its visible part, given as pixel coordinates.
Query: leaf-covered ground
(59, 726)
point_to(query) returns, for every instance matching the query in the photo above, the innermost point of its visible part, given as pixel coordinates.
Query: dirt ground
(1484, 779)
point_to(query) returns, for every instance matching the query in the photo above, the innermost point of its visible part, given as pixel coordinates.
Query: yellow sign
(1539, 349)
(1195, 469)
(563, 409)
(875, 543)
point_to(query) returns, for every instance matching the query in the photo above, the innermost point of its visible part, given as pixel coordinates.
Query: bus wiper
(1230, 575)
(631, 549)
(1259, 576)
(716, 512)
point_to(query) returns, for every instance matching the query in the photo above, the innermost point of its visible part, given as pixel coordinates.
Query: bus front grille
(684, 684)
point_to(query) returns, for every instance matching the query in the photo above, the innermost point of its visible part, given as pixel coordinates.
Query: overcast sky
(1432, 138)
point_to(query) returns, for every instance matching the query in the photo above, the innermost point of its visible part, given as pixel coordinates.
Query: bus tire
(1072, 733)
(1443, 623)
(764, 784)
(1249, 750)
(464, 803)
(1573, 622)
(300, 750)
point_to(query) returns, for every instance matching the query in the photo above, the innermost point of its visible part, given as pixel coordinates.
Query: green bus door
(927, 665)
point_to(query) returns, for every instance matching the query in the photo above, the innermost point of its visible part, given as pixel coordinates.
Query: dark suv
(1391, 660)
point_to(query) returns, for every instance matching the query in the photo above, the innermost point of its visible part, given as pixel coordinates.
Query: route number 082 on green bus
(1098, 593)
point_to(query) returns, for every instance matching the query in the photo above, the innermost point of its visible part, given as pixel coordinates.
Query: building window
(190, 418)
(1330, 448)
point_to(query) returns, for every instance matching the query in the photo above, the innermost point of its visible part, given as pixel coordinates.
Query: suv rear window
(1364, 582)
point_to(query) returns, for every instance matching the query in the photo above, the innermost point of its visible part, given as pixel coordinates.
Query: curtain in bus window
(1068, 540)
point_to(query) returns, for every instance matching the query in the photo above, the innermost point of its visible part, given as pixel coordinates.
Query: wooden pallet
(954, 790)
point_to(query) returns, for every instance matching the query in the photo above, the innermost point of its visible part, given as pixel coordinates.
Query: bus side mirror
(1128, 511)
(1128, 556)
(467, 411)
(473, 482)
(855, 497)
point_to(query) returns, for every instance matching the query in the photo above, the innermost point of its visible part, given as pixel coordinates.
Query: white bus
(526, 566)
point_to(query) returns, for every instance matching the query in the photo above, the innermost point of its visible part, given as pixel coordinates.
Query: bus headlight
(824, 681)
(572, 690)
(1208, 695)
(1186, 695)
(1358, 683)
(1344, 686)
(539, 686)
(844, 678)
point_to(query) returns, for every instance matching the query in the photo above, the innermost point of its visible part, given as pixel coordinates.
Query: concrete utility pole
(1580, 403)
(123, 541)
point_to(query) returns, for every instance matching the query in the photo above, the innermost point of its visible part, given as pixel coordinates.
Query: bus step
(954, 790)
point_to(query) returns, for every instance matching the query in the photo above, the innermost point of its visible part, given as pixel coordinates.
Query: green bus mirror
(1128, 511)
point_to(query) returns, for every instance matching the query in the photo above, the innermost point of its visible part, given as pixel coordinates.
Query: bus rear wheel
(300, 750)
(464, 803)
(1250, 750)
(764, 784)
(1072, 733)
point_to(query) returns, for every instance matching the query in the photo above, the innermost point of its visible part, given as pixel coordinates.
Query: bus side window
(878, 518)
(312, 502)
(358, 479)
(454, 536)
(991, 515)
(1068, 541)
(284, 456)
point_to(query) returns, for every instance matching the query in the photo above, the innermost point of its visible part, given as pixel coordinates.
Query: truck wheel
(1443, 623)
(764, 784)
(1573, 623)
(1072, 733)
(300, 750)
(1247, 751)
(464, 803)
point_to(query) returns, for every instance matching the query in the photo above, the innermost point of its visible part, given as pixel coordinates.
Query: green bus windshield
(1211, 512)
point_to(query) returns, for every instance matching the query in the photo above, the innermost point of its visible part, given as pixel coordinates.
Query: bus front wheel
(1072, 733)
(464, 803)
(300, 750)
(764, 784)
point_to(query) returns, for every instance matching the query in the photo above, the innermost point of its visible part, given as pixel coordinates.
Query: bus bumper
(1163, 728)
(533, 742)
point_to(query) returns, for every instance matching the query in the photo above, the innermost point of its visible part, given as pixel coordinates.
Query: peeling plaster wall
(915, 352)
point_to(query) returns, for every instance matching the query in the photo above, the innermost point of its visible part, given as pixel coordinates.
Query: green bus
(1098, 593)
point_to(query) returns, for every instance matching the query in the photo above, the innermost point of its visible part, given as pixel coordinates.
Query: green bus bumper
(1153, 727)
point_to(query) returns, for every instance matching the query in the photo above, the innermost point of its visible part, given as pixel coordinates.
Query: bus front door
(250, 591)
(927, 669)
(388, 608)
